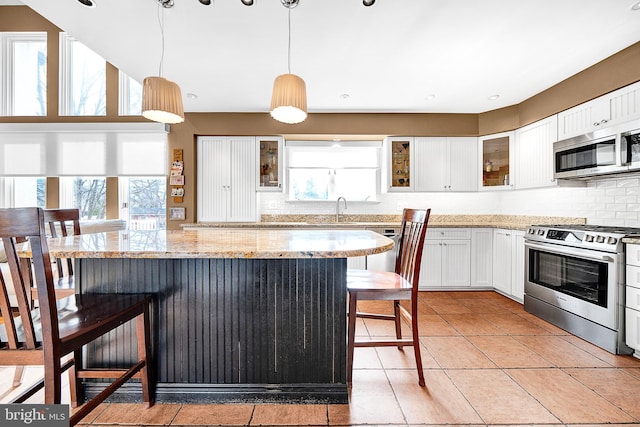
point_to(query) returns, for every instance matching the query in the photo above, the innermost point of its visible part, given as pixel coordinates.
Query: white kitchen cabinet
(496, 153)
(610, 109)
(226, 179)
(400, 163)
(508, 263)
(269, 153)
(534, 154)
(446, 164)
(517, 272)
(632, 299)
(481, 258)
(446, 259)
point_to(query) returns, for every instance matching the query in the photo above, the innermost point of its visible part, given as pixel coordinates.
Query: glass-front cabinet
(269, 157)
(496, 155)
(400, 152)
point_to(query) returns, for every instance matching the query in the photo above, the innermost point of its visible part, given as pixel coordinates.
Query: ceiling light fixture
(493, 97)
(289, 98)
(247, 2)
(368, 2)
(206, 2)
(161, 98)
(87, 3)
(636, 6)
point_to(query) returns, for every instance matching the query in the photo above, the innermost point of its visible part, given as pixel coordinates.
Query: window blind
(83, 149)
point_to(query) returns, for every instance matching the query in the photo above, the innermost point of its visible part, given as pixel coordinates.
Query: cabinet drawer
(633, 254)
(632, 324)
(448, 233)
(633, 276)
(633, 298)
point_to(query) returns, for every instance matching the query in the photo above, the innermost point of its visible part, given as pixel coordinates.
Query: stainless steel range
(575, 278)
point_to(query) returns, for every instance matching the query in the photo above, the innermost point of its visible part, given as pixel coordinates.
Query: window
(82, 79)
(130, 96)
(18, 192)
(88, 194)
(143, 202)
(24, 74)
(322, 170)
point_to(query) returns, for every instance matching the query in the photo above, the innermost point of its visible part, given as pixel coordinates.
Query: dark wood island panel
(233, 329)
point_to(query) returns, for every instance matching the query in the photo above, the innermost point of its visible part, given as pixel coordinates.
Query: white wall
(613, 201)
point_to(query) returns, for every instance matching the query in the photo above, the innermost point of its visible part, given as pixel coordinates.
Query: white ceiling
(388, 58)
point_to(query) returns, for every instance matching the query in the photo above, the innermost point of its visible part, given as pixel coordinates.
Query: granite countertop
(512, 222)
(220, 243)
(631, 240)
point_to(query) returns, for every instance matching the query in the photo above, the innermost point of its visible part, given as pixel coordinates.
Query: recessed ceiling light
(344, 96)
(636, 6)
(87, 3)
(430, 96)
(192, 96)
(493, 97)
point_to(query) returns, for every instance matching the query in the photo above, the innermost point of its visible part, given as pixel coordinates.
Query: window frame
(65, 94)
(293, 146)
(8, 40)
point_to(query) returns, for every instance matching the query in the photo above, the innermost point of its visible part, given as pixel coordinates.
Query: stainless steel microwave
(595, 153)
(606, 151)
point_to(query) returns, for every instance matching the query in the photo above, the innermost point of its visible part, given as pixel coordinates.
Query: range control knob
(540, 232)
(588, 238)
(600, 239)
(612, 240)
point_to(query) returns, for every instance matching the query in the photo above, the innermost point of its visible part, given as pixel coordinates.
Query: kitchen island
(241, 314)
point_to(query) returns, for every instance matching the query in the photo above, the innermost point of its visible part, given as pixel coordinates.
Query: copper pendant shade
(289, 99)
(162, 100)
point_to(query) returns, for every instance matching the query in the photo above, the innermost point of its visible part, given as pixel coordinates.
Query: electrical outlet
(401, 205)
(273, 204)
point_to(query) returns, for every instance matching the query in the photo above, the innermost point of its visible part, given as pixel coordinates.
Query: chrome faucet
(338, 207)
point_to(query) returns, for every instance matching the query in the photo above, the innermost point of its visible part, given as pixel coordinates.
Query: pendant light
(161, 98)
(289, 98)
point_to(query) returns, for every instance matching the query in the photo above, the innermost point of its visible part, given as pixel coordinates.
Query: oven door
(582, 282)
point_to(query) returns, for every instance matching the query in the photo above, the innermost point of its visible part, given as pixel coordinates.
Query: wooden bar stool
(391, 286)
(59, 328)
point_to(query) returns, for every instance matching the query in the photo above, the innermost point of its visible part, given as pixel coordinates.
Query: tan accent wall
(612, 73)
(113, 205)
(617, 71)
(52, 191)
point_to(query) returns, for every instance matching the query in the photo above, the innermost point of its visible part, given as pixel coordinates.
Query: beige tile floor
(486, 361)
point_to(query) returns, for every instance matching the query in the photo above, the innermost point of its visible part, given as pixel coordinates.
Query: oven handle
(575, 252)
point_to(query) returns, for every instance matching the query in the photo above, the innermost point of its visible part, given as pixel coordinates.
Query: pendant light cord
(289, 43)
(161, 24)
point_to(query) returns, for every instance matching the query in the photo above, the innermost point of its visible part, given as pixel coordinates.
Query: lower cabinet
(632, 299)
(357, 263)
(508, 263)
(446, 259)
(482, 258)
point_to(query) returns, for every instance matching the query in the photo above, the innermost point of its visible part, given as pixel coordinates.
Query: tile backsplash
(611, 201)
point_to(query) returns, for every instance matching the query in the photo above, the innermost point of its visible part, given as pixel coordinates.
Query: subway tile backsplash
(611, 201)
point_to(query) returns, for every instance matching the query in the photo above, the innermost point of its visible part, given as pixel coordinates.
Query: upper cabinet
(400, 167)
(534, 153)
(226, 179)
(496, 155)
(446, 164)
(613, 108)
(269, 155)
